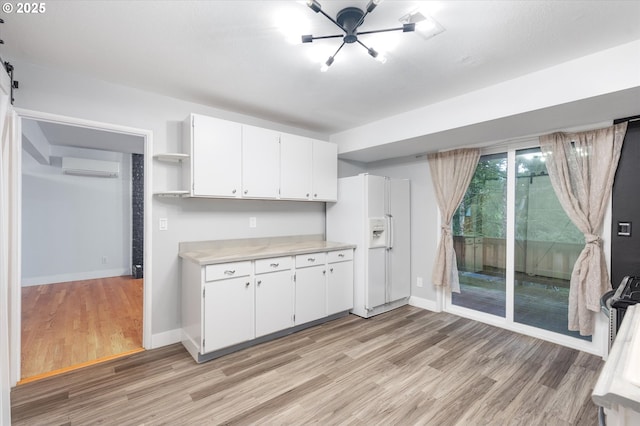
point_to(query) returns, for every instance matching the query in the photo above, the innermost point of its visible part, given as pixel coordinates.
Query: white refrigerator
(373, 212)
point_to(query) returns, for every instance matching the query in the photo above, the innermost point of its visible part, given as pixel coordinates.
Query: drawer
(339, 255)
(227, 270)
(311, 259)
(273, 264)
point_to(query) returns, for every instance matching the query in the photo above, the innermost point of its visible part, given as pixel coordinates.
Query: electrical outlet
(252, 222)
(419, 282)
(163, 224)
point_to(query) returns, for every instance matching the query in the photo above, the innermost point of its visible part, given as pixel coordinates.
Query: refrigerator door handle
(390, 235)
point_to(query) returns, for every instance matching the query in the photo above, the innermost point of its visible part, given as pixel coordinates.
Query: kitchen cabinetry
(217, 306)
(253, 297)
(325, 171)
(296, 156)
(339, 280)
(215, 149)
(233, 160)
(260, 162)
(311, 290)
(228, 302)
(274, 295)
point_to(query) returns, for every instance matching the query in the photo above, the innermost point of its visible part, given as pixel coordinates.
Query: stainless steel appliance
(614, 303)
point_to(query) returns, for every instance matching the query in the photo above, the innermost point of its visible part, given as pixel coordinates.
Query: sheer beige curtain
(451, 173)
(581, 167)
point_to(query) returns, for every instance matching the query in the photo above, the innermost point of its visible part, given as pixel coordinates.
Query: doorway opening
(84, 298)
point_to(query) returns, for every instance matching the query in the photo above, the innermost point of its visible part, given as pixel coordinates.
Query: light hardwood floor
(78, 322)
(405, 367)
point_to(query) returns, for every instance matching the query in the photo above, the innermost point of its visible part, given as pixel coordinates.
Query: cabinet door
(216, 157)
(228, 313)
(325, 171)
(274, 302)
(260, 162)
(340, 287)
(310, 294)
(296, 154)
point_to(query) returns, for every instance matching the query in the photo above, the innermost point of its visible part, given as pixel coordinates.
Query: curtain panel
(451, 173)
(581, 168)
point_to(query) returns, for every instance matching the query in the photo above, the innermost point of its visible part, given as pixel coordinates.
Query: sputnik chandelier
(349, 20)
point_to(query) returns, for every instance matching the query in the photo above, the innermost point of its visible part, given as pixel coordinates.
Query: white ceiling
(233, 54)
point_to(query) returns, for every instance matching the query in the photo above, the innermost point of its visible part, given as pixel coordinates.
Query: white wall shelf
(171, 156)
(177, 193)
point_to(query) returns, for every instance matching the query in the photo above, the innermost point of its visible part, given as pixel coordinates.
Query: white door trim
(15, 301)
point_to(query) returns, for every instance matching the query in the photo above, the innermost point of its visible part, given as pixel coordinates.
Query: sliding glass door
(515, 247)
(479, 235)
(547, 245)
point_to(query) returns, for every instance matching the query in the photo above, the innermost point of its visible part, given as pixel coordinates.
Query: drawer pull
(247, 284)
(233, 192)
(259, 282)
(229, 272)
(341, 255)
(274, 265)
(331, 270)
(311, 259)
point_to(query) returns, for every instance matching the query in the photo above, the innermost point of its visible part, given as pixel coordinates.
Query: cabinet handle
(274, 265)
(308, 195)
(331, 270)
(247, 284)
(315, 195)
(229, 272)
(233, 192)
(311, 259)
(324, 272)
(259, 282)
(246, 191)
(341, 255)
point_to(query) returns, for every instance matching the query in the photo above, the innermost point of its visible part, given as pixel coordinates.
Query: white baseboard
(419, 302)
(75, 276)
(166, 338)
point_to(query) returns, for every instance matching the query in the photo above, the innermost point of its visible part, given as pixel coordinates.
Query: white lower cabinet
(340, 287)
(228, 313)
(311, 288)
(274, 302)
(225, 306)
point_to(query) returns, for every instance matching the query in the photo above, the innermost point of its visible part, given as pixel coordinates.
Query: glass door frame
(598, 344)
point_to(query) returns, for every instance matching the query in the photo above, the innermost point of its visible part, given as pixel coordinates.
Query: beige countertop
(224, 251)
(618, 381)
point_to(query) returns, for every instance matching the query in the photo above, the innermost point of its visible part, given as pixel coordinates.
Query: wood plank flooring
(405, 367)
(73, 323)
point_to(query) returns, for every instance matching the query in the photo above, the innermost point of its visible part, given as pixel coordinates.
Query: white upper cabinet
(296, 154)
(325, 171)
(260, 162)
(215, 148)
(232, 160)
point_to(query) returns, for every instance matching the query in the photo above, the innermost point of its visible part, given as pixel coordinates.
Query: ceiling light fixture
(425, 26)
(349, 20)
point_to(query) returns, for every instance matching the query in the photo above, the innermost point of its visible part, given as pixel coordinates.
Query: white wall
(61, 93)
(69, 223)
(424, 214)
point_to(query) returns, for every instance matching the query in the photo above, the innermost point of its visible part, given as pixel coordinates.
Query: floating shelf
(178, 193)
(171, 156)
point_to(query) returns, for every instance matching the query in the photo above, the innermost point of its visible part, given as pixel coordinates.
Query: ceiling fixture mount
(349, 20)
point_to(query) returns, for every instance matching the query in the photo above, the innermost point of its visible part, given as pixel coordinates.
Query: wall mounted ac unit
(89, 167)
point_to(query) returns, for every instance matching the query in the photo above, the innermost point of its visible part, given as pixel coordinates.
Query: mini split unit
(88, 167)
